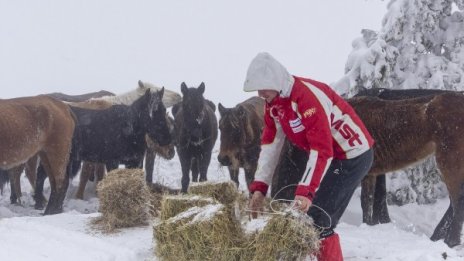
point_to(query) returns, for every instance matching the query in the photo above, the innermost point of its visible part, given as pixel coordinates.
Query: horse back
(29, 124)
(401, 129)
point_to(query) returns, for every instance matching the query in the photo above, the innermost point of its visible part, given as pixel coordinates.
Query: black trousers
(336, 189)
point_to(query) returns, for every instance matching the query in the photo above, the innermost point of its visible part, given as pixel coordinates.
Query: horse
(408, 131)
(80, 97)
(196, 133)
(379, 209)
(117, 134)
(90, 169)
(38, 125)
(93, 169)
(240, 138)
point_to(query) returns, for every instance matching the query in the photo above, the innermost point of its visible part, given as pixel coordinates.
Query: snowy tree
(420, 45)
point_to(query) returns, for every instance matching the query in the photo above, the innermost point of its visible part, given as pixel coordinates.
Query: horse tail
(74, 163)
(4, 179)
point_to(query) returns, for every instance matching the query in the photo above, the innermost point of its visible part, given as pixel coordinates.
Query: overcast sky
(86, 45)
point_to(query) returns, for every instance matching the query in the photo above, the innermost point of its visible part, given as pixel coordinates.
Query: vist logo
(347, 132)
(309, 112)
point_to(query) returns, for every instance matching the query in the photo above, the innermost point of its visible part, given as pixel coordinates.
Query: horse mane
(169, 98)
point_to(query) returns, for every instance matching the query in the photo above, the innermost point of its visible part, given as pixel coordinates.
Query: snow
(83, 46)
(27, 235)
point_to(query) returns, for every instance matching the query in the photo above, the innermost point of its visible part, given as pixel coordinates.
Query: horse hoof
(452, 242)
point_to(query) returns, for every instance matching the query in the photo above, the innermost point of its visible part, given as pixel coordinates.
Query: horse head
(193, 107)
(236, 134)
(153, 113)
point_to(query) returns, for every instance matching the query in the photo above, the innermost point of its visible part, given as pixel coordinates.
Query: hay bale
(285, 237)
(199, 233)
(123, 197)
(171, 205)
(157, 192)
(224, 192)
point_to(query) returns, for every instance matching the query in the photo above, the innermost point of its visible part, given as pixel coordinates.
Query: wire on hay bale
(173, 205)
(199, 233)
(123, 197)
(291, 236)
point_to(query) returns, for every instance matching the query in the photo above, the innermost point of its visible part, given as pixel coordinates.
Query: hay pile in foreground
(123, 197)
(285, 237)
(208, 230)
(200, 233)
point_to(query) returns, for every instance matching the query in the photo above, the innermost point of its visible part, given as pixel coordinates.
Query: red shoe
(330, 249)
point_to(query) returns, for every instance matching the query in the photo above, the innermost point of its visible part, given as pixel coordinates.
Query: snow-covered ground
(27, 235)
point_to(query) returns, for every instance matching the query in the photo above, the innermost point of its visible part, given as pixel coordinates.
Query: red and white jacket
(315, 119)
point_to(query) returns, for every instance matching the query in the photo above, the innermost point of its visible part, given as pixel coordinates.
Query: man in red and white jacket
(316, 119)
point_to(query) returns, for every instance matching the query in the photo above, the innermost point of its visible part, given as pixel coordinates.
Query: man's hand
(302, 203)
(256, 203)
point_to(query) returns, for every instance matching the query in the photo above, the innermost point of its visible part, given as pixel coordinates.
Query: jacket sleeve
(272, 141)
(315, 119)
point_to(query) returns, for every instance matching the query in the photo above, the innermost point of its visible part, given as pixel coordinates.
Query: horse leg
(204, 164)
(380, 210)
(149, 164)
(195, 169)
(15, 183)
(31, 170)
(111, 165)
(448, 163)
(250, 174)
(453, 237)
(55, 164)
(442, 228)
(39, 197)
(185, 162)
(87, 170)
(367, 199)
(233, 172)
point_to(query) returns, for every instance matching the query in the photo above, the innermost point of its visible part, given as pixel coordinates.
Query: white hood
(266, 73)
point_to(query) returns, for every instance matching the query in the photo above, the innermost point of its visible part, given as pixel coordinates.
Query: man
(316, 119)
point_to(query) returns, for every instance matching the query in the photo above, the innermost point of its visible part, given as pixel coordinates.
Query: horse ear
(183, 88)
(161, 92)
(141, 85)
(201, 88)
(221, 109)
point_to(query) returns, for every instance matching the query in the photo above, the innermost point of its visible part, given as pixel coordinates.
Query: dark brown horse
(240, 137)
(97, 170)
(38, 125)
(196, 133)
(379, 209)
(408, 131)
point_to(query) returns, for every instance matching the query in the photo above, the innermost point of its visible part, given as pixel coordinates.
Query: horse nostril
(224, 160)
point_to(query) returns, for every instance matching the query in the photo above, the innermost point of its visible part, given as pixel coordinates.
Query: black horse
(196, 133)
(379, 209)
(115, 134)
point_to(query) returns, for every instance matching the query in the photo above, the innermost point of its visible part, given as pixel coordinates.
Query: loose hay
(200, 233)
(285, 237)
(123, 197)
(173, 205)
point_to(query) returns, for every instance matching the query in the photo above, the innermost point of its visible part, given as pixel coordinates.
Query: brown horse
(38, 125)
(408, 131)
(240, 137)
